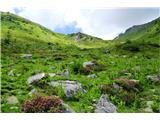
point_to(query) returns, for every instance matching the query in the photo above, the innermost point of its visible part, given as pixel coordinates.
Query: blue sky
(103, 23)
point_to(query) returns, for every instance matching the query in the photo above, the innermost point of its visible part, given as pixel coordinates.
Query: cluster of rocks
(39, 76)
(69, 87)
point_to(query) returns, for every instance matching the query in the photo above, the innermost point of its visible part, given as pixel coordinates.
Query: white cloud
(103, 23)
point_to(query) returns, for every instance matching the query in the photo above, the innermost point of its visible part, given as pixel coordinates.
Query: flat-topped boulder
(26, 56)
(35, 78)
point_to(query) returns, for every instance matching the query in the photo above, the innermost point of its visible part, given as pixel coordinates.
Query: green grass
(54, 52)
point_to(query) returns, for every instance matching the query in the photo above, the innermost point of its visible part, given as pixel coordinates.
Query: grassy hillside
(140, 39)
(148, 32)
(21, 28)
(88, 40)
(54, 53)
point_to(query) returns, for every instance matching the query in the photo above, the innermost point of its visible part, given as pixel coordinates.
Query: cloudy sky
(104, 23)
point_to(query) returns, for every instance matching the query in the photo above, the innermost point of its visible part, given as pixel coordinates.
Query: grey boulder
(104, 105)
(154, 78)
(92, 76)
(68, 109)
(26, 56)
(35, 78)
(12, 100)
(70, 87)
(32, 92)
(88, 64)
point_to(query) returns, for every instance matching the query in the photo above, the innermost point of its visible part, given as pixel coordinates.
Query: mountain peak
(82, 36)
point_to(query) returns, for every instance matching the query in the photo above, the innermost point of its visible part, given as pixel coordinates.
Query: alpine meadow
(43, 71)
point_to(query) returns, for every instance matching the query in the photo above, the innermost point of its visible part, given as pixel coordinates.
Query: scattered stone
(14, 108)
(71, 63)
(124, 56)
(125, 72)
(135, 57)
(117, 87)
(33, 91)
(77, 38)
(88, 64)
(116, 55)
(94, 100)
(128, 74)
(104, 105)
(54, 50)
(68, 109)
(110, 88)
(82, 49)
(65, 73)
(11, 73)
(52, 74)
(154, 78)
(136, 68)
(106, 51)
(70, 87)
(35, 78)
(12, 100)
(18, 75)
(26, 56)
(92, 76)
(148, 109)
(52, 67)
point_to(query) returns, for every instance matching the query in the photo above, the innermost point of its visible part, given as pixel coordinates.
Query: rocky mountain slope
(44, 71)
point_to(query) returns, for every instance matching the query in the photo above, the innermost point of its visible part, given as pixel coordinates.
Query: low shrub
(108, 88)
(127, 97)
(86, 70)
(41, 104)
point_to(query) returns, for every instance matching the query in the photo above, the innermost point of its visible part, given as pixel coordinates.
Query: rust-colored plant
(43, 104)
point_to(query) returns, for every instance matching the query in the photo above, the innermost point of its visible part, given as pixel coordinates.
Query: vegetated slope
(143, 39)
(29, 49)
(22, 29)
(88, 40)
(145, 32)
